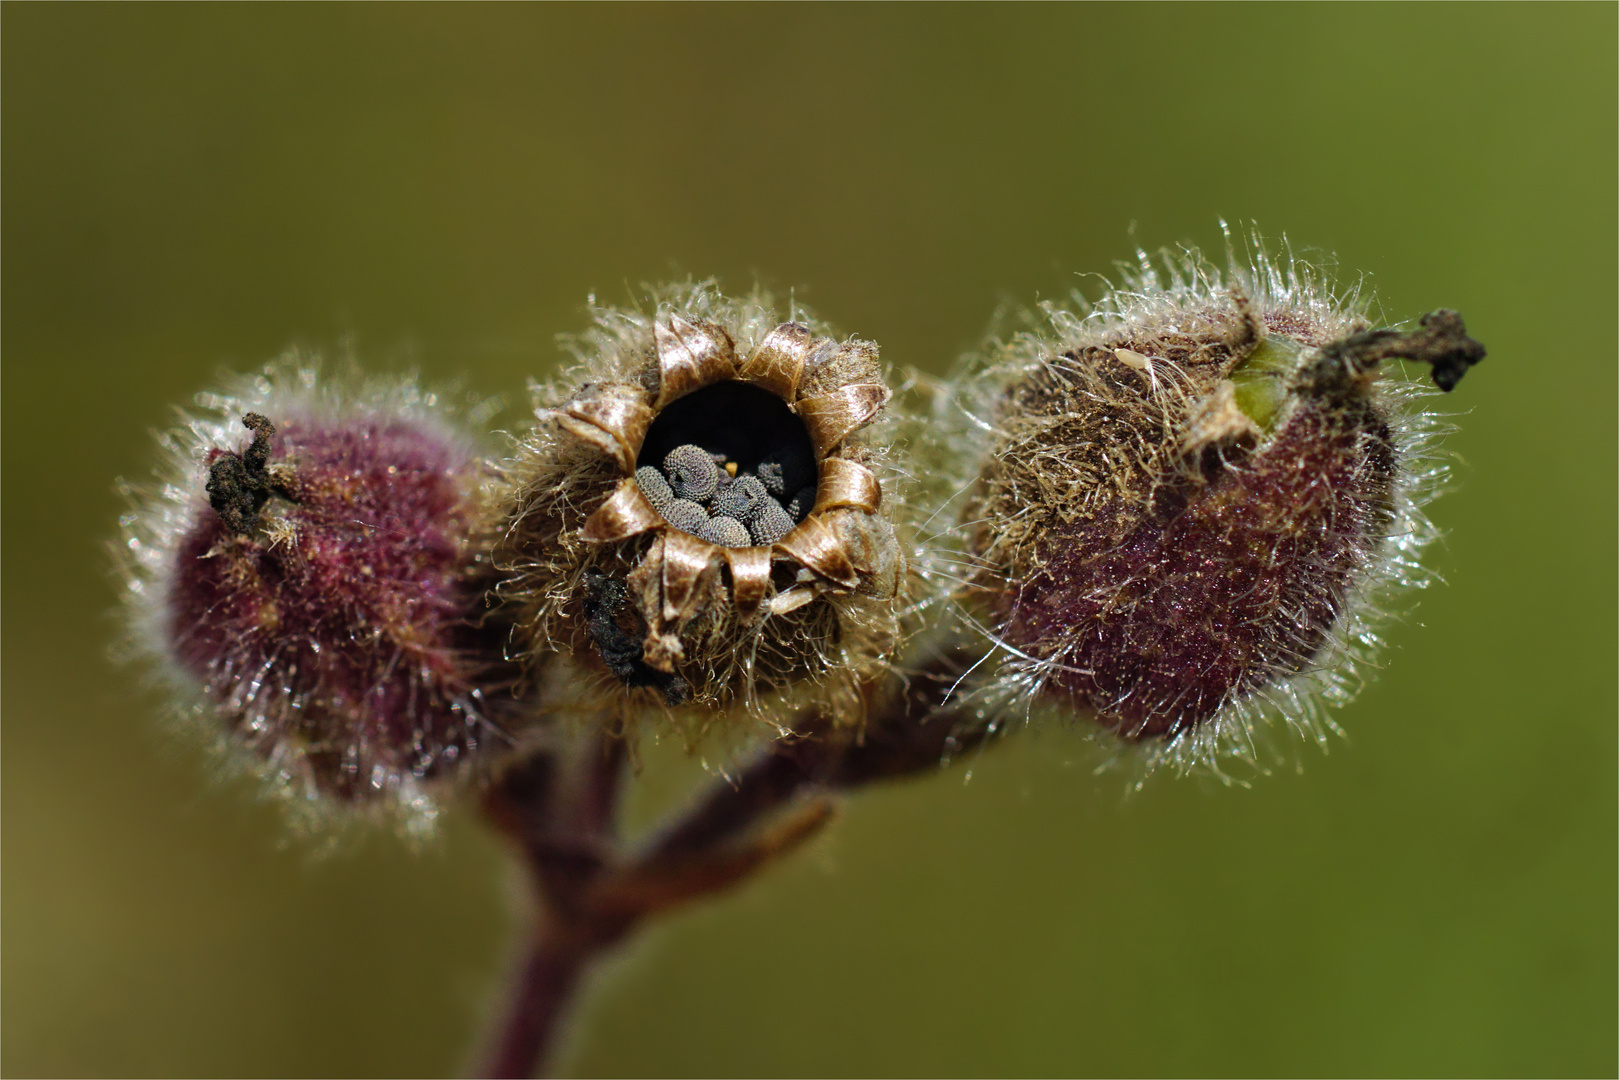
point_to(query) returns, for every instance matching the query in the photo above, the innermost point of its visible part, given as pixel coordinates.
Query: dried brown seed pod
(600, 573)
(1195, 492)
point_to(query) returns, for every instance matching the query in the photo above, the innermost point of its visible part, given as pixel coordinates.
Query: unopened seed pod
(646, 541)
(310, 574)
(1196, 490)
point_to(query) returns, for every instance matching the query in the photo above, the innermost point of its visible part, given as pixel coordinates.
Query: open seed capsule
(712, 400)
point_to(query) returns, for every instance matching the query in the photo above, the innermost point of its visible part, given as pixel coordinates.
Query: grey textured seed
(802, 502)
(741, 498)
(691, 472)
(771, 523)
(717, 504)
(792, 464)
(686, 516)
(770, 474)
(726, 532)
(654, 487)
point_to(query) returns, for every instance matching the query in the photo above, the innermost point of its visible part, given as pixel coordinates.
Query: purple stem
(910, 730)
(538, 999)
(561, 812)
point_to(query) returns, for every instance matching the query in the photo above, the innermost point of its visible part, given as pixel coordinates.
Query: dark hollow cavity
(760, 450)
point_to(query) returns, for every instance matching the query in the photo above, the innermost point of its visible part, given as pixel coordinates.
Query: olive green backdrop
(187, 188)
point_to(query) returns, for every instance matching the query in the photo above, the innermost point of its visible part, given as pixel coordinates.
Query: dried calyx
(703, 516)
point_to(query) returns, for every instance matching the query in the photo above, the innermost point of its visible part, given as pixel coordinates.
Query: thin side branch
(592, 893)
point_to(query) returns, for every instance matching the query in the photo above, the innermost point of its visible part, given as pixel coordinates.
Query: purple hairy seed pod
(317, 593)
(1196, 489)
(707, 612)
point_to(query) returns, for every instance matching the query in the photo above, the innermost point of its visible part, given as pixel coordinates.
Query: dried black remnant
(721, 463)
(240, 484)
(1442, 342)
(621, 649)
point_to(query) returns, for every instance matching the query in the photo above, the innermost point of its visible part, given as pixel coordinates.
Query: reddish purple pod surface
(1225, 584)
(1194, 497)
(323, 585)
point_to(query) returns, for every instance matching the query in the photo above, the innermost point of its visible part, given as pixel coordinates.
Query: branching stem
(592, 891)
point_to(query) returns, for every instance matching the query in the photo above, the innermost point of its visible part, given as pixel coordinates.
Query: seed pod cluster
(1182, 504)
(1196, 491)
(700, 511)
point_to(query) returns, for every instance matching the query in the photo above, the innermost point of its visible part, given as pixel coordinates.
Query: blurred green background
(188, 187)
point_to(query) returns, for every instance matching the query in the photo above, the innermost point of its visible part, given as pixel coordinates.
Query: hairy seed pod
(705, 612)
(318, 590)
(1195, 489)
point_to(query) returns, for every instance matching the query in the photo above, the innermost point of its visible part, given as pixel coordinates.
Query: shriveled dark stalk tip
(1441, 342)
(240, 484)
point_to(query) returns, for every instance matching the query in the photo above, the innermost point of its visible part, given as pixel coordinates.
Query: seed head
(317, 590)
(1196, 490)
(699, 510)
